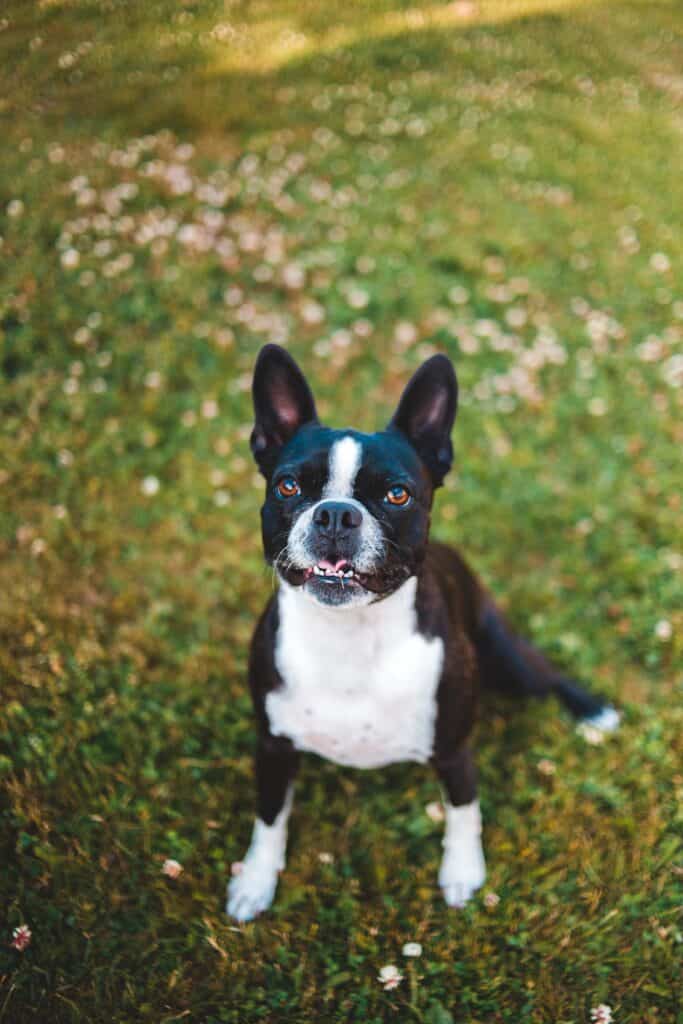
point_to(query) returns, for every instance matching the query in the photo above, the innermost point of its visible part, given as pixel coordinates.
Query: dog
(376, 644)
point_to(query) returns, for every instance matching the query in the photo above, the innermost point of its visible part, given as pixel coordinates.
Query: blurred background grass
(365, 183)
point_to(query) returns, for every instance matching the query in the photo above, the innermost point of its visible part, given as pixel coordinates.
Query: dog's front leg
(463, 869)
(252, 890)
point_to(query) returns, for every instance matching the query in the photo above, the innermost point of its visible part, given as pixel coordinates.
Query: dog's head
(346, 515)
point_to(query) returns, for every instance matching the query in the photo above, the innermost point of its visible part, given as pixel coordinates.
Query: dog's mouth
(339, 578)
(338, 573)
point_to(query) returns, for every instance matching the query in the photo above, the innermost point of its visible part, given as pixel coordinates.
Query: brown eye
(397, 495)
(288, 487)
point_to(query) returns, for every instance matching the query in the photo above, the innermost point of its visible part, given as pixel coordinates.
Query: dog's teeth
(339, 574)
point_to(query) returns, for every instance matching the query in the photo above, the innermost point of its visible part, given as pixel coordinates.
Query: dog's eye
(397, 495)
(288, 487)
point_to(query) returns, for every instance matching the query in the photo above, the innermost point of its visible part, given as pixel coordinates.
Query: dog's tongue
(331, 566)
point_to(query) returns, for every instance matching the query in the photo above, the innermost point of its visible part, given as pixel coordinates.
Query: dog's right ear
(282, 404)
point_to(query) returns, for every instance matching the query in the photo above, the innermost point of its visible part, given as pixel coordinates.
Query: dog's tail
(509, 664)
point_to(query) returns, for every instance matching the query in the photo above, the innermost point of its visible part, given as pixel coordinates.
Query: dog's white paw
(463, 868)
(251, 892)
(462, 872)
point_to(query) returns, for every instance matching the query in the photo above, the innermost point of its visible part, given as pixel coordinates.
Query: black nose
(333, 518)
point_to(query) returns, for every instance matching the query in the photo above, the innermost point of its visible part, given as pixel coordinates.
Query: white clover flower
(21, 937)
(70, 258)
(672, 371)
(357, 298)
(171, 868)
(405, 333)
(516, 316)
(459, 295)
(293, 276)
(312, 313)
(263, 273)
(434, 811)
(663, 630)
(601, 1014)
(389, 977)
(660, 262)
(209, 409)
(362, 328)
(597, 407)
(150, 486)
(15, 208)
(341, 339)
(82, 336)
(412, 949)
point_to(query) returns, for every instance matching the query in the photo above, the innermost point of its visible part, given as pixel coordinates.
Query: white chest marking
(359, 684)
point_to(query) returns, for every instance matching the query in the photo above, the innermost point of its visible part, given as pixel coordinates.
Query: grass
(366, 183)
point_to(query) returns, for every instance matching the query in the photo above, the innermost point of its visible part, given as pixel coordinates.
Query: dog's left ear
(426, 413)
(282, 403)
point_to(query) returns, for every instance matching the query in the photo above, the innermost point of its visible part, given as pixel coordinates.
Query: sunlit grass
(276, 34)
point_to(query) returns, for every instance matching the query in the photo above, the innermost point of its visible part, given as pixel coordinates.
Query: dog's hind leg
(509, 664)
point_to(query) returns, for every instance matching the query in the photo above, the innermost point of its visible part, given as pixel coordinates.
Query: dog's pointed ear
(282, 404)
(426, 413)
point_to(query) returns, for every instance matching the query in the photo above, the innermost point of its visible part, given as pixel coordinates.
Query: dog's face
(346, 515)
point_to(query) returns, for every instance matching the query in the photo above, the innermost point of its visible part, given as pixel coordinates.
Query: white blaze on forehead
(345, 460)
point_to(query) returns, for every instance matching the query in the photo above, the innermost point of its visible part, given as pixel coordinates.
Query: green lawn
(367, 183)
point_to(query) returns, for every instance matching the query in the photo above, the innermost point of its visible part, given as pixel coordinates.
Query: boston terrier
(374, 647)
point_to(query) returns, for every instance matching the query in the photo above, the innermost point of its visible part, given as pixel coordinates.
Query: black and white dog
(373, 649)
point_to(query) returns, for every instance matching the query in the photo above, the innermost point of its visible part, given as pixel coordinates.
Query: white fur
(463, 869)
(606, 720)
(252, 891)
(359, 683)
(344, 462)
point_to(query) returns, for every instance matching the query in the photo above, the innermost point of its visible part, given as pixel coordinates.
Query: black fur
(283, 403)
(426, 414)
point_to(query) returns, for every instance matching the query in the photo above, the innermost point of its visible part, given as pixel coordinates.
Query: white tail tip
(595, 728)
